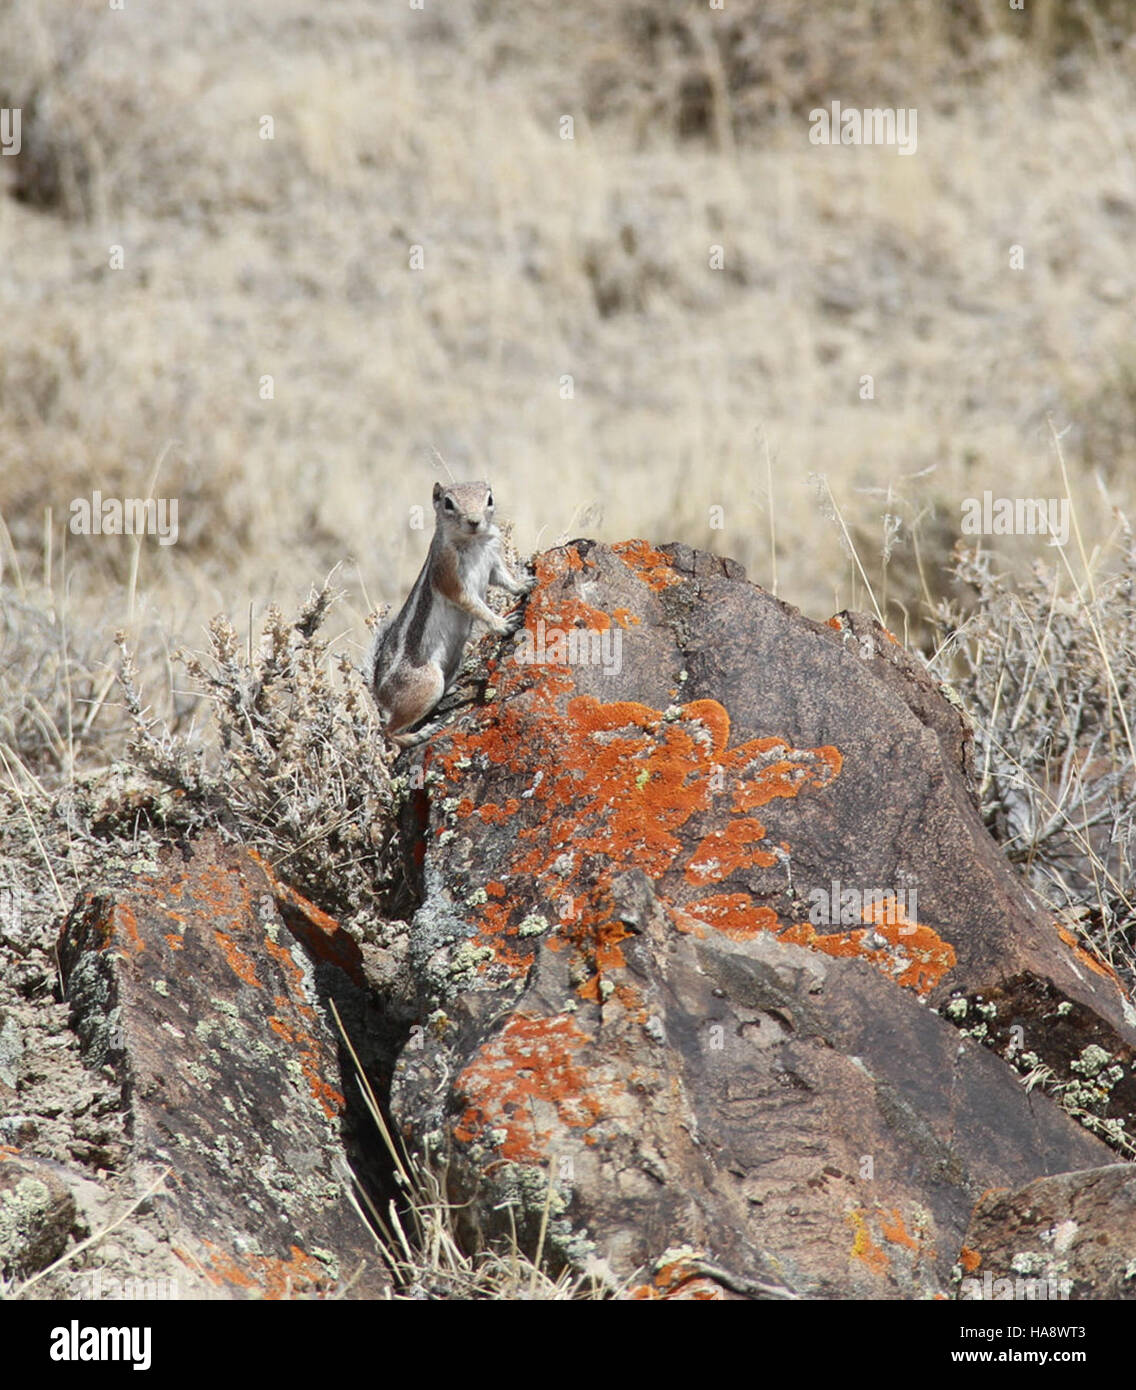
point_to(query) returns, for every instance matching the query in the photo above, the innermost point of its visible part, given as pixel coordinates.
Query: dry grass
(1046, 669)
(544, 258)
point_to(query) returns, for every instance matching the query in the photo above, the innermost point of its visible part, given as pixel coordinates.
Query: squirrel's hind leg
(408, 698)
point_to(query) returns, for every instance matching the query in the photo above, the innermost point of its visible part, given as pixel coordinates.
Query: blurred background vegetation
(697, 395)
(547, 258)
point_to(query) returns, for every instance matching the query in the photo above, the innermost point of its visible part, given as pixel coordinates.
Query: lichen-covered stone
(1074, 1233)
(673, 815)
(190, 984)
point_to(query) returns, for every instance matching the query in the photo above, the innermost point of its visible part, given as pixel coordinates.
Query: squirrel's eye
(449, 504)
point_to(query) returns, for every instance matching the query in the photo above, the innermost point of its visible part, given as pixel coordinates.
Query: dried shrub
(1047, 671)
(297, 769)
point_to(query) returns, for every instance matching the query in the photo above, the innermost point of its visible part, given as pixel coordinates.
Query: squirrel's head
(464, 509)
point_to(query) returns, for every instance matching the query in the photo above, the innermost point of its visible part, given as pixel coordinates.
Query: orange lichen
(766, 768)
(688, 924)
(702, 1290)
(560, 609)
(894, 1231)
(734, 915)
(330, 1101)
(1086, 957)
(673, 1273)
(283, 959)
(319, 931)
(274, 1278)
(174, 941)
(655, 569)
(315, 915)
(723, 851)
(224, 894)
(969, 1259)
(497, 933)
(679, 1280)
(125, 924)
(532, 1061)
(915, 956)
(623, 786)
(600, 942)
(696, 1290)
(238, 962)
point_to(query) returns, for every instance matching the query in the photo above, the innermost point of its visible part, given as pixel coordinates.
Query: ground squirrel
(416, 656)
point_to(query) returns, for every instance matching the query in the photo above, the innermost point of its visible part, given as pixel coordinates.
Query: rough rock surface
(37, 1212)
(1075, 1232)
(624, 852)
(190, 986)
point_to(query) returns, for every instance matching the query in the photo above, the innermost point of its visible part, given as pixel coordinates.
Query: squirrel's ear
(437, 491)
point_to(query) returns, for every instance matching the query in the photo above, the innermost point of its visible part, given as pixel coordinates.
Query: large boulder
(704, 893)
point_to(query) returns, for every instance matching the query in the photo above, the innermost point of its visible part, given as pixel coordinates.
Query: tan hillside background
(544, 258)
